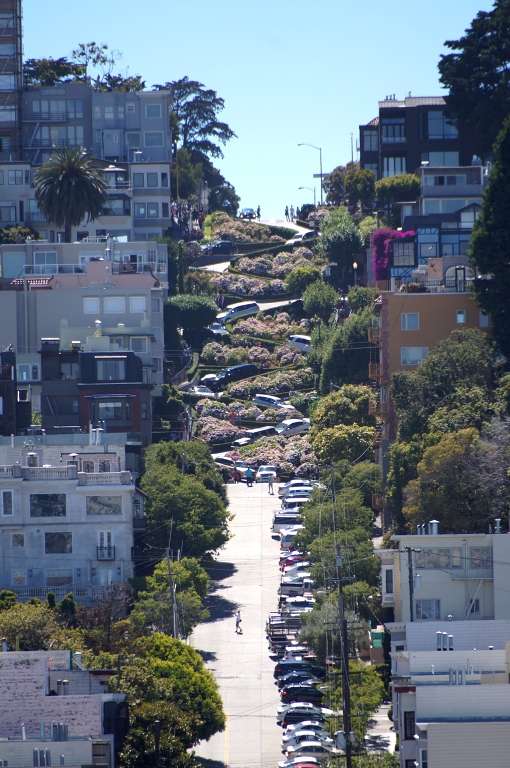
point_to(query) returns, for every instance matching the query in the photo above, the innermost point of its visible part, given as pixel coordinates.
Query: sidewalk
(380, 736)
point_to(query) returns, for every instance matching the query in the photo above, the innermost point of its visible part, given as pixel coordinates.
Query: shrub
(299, 279)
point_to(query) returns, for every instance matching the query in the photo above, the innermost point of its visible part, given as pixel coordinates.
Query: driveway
(246, 577)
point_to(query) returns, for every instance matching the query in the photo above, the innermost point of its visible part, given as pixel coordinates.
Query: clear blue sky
(289, 71)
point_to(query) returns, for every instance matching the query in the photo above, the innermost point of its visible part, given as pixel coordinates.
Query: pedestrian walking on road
(239, 631)
(258, 212)
(287, 212)
(270, 485)
(292, 212)
(249, 478)
(235, 476)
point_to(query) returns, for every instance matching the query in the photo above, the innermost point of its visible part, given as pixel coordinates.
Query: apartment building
(53, 711)
(11, 79)
(69, 526)
(412, 131)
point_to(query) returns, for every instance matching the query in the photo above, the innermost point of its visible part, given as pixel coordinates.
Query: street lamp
(314, 217)
(304, 144)
(355, 268)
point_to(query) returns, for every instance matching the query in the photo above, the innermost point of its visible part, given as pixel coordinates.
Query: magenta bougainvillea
(382, 241)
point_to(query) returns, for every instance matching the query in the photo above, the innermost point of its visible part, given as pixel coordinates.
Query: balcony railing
(103, 478)
(52, 473)
(378, 407)
(399, 285)
(25, 593)
(35, 216)
(374, 334)
(106, 553)
(374, 370)
(47, 117)
(52, 269)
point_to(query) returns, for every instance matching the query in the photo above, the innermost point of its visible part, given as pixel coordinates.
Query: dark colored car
(285, 666)
(234, 373)
(294, 678)
(300, 692)
(219, 246)
(248, 213)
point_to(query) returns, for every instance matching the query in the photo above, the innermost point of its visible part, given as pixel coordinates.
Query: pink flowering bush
(277, 415)
(224, 227)
(219, 410)
(279, 266)
(216, 354)
(240, 285)
(261, 356)
(273, 384)
(212, 430)
(275, 329)
(292, 454)
(287, 355)
(382, 242)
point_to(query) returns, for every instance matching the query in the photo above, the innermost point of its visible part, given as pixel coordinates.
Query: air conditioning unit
(388, 599)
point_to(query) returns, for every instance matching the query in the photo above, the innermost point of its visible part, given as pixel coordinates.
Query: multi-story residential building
(11, 79)
(412, 131)
(66, 527)
(449, 622)
(53, 711)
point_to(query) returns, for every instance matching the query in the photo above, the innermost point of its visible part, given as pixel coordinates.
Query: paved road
(247, 577)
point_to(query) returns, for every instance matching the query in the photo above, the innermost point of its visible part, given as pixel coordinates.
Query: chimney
(423, 529)
(65, 687)
(445, 641)
(433, 527)
(439, 641)
(418, 530)
(498, 525)
(23, 732)
(450, 642)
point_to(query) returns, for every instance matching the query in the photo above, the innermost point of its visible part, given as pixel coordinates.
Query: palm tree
(68, 188)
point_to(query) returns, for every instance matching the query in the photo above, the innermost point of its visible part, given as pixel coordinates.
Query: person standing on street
(258, 212)
(249, 478)
(292, 213)
(239, 631)
(270, 485)
(287, 212)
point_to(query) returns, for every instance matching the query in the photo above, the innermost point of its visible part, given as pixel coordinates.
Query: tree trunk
(67, 232)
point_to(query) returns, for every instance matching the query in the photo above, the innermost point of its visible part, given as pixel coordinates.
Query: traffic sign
(235, 456)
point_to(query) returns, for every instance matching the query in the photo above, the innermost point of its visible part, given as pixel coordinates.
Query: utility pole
(175, 616)
(344, 655)
(157, 743)
(410, 574)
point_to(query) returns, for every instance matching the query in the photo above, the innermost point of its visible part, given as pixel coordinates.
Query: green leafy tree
(489, 242)
(193, 313)
(343, 443)
(49, 72)
(196, 460)
(187, 173)
(346, 353)
(351, 517)
(69, 188)
(346, 406)
(476, 74)
(18, 234)
(403, 186)
(196, 111)
(340, 242)
(320, 299)
(299, 279)
(363, 564)
(366, 226)
(360, 298)
(366, 477)
(335, 183)
(360, 187)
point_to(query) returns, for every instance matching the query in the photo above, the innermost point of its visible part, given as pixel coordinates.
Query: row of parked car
(300, 679)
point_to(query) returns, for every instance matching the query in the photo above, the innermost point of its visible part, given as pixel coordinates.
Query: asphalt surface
(246, 577)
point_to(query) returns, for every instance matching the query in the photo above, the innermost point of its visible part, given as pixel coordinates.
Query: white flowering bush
(273, 415)
(240, 285)
(211, 430)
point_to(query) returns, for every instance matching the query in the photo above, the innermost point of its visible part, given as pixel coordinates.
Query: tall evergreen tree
(490, 243)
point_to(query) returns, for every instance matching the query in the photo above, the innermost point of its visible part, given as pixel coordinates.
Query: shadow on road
(219, 608)
(209, 763)
(217, 570)
(207, 655)
(377, 743)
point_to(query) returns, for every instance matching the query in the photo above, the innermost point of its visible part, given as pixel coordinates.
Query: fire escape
(379, 404)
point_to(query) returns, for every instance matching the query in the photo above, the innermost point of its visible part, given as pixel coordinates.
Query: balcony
(52, 269)
(378, 407)
(106, 553)
(398, 285)
(375, 371)
(48, 143)
(104, 478)
(377, 501)
(374, 332)
(35, 217)
(46, 117)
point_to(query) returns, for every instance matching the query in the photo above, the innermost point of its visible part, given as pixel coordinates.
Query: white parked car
(301, 237)
(303, 343)
(296, 483)
(238, 310)
(269, 401)
(315, 748)
(293, 427)
(305, 725)
(201, 389)
(218, 329)
(298, 491)
(297, 737)
(264, 472)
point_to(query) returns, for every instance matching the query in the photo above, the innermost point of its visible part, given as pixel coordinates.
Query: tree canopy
(335, 183)
(477, 74)
(320, 299)
(347, 406)
(489, 245)
(69, 188)
(340, 242)
(360, 187)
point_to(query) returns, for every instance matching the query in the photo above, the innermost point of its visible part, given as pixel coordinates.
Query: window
(439, 127)
(393, 166)
(388, 581)
(461, 316)
(370, 141)
(6, 502)
(137, 509)
(456, 558)
(87, 466)
(7, 114)
(165, 210)
(413, 355)
(19, 577)
(104, 466)
(428, 610)
(480, 557)
(155, 305)
(475, 606)
(156, 364)
(17, 540)
(15, 177)
(393, 130)
(424, 763)
(120, 112)
(6, 21)
(47, 505)
(410, 321)
(428, 250)
(152, 179)
(139, 344)
(140, 211)
(108, 113)
(1, 406)
(28, 372)
(409, 725)
(75, 108)
(151, 138)
(153, 210)
(59, 577)
(7, 83)
(130, 107)
(114, 304)
(110, 411)
(403, 254)
(164, 179)
(438, 558)
(112, 369)
(97, 111)
(138, 179)
(104, 505)
(136, 304)
(441, 159)
(58, 543)
(484, 319)
(144, 410)
(152, 110)
(133, 139)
